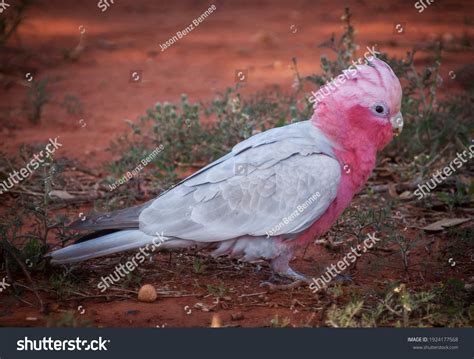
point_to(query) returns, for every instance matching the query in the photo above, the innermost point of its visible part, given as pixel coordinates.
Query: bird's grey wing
(277, 182)
(302, 131)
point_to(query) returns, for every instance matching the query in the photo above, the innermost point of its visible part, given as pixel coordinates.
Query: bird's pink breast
(356, 168)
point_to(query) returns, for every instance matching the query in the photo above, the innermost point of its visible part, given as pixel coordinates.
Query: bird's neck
(357, 164)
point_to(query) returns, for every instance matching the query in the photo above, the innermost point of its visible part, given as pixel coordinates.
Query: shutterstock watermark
(17, 176)
(459, 161)
(336, 269)
(299, 209)
(347, 74)
(130, 174)
(421, 6)
(104, 4)
(3, 6)
(122, 270)
(180, 34)
(3, 284)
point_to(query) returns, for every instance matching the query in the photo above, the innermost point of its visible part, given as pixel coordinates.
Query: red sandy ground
(253, 35)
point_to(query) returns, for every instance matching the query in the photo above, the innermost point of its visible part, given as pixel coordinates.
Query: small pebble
(147, 294)
(237, 316)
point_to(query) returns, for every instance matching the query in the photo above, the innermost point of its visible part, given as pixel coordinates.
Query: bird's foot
(285, 281)
(283, 273)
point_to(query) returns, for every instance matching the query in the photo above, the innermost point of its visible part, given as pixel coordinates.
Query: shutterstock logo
(49, 344)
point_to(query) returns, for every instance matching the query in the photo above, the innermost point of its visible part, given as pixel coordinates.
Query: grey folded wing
(278, 182)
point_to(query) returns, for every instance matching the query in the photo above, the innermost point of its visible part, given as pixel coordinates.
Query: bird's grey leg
(280, 267)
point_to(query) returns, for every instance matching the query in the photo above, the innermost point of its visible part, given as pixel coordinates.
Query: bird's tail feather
(104, 245)
(117, 242)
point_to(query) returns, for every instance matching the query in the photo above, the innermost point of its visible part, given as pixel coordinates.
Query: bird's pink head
(361, 107)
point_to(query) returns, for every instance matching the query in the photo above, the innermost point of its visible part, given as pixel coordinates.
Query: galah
(274, 191)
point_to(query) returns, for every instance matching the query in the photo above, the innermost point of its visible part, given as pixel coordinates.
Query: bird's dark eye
(380, 109)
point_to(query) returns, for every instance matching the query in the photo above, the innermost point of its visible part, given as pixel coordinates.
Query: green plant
(277, 322)
(38, 95)
(26, 223)
(62, 283)
(193, 135)
(68, 319)
(344, 317)
(344, 48)
(73, 105)
(11, 20)
(219, 291)
(198, 266)
(458, 196)
(399, 306)
(132, 280)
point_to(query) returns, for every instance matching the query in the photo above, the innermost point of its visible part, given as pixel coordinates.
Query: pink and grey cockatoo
(243, 204)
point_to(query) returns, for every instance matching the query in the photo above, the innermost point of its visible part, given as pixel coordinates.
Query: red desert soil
(254, 35)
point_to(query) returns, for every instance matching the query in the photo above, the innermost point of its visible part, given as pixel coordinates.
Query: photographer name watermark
(130, 174)
(299, 209)
(180, 34)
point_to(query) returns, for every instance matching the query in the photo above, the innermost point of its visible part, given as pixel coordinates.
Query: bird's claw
(272, 287)
(281, 272)
(286, 280)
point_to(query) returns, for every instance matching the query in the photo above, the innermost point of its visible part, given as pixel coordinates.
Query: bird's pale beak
(397, 124)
